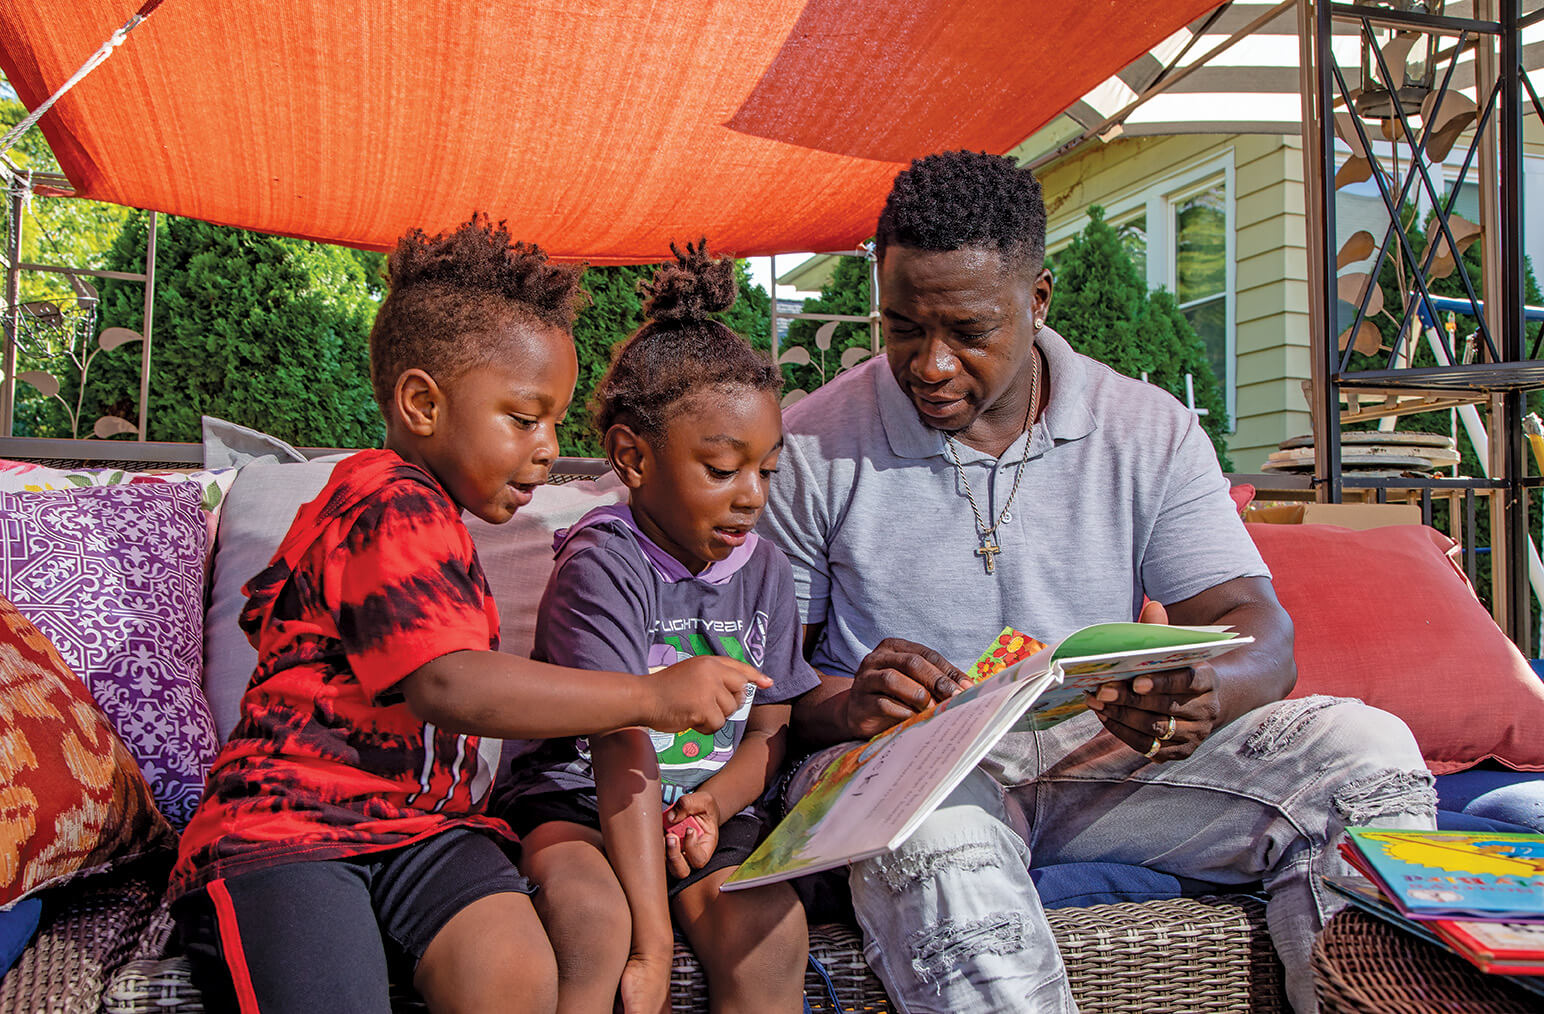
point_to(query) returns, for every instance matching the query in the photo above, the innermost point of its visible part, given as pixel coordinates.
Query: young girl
(693, 428)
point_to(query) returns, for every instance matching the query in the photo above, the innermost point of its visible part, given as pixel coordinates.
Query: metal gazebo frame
(1506, 370)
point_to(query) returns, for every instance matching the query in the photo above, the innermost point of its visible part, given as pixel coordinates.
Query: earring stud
(1039, 323)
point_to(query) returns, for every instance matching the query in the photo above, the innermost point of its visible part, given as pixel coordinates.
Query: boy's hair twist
(681, 348)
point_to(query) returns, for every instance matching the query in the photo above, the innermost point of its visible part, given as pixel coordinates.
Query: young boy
(340, 839)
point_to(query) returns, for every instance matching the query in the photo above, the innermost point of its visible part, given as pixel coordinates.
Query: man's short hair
(450, 293)
(958, 199)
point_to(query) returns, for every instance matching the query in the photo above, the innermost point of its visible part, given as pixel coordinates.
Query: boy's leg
(753, 945)
(298, 937)
(459, 913)
(585, 913)
(492, 955)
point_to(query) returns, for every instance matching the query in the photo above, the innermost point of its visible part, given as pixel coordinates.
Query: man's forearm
(1255, 674)
(820, 714)
(1259, 673)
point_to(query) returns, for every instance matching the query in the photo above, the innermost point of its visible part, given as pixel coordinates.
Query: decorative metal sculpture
(45, 330)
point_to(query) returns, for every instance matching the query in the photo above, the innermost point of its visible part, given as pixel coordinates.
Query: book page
(869, 798)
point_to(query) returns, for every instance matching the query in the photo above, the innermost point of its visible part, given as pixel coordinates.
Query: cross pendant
(988, 550)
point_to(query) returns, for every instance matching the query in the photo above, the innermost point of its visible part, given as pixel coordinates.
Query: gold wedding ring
(1168, 730)
(1152, 750)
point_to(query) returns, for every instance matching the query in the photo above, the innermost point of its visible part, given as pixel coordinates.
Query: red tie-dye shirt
(376, 577)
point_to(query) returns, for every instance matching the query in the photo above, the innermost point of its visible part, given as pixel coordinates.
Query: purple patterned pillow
(113, 576)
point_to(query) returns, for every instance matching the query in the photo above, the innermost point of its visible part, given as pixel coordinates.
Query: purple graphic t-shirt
(618, 602)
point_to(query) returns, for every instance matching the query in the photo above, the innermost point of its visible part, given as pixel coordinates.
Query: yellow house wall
(1270, 260)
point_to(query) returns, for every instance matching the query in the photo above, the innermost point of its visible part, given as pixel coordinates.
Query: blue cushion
(1511, 797)
(17, 924)
(1064, 885)
(1457, 820)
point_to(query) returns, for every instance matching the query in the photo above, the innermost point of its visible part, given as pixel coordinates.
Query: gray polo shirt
(1121, 497)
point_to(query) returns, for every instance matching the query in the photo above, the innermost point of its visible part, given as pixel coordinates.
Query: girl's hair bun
(692, 288)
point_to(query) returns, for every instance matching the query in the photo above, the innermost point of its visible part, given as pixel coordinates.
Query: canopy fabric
(602, 129)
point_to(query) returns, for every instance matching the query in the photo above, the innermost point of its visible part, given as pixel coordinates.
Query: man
(982, 473)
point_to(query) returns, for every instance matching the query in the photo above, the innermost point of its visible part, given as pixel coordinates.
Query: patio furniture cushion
(1386, 616)
(27, 476)
(1065, 885)
(114, 577)
(17, 925)
(72, 800)
(1489, 793)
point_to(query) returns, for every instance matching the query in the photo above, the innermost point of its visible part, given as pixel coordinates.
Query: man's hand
(694, 845)
(896, 680)
(699, 693)
(645, 985)
(1175, 709)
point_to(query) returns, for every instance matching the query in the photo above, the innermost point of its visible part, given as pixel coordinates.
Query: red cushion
(1243, 495)
(1385, 615)
(72, 800)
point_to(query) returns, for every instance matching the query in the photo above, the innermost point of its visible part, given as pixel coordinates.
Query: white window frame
(1158, 200)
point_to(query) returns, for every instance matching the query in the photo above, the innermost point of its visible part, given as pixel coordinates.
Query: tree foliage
(616, 311)
(262, 330)
(1102, 307)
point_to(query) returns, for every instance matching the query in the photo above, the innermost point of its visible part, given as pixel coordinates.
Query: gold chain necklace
(989, 548)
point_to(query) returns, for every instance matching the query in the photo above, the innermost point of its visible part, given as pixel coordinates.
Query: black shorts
(328, 935)
(737, 838)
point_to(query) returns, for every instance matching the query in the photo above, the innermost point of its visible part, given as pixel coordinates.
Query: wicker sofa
(103, 940)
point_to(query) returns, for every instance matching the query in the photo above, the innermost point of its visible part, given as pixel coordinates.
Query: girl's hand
(645, 985)
(691, 847)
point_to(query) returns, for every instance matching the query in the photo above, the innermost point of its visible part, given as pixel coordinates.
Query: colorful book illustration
(871, 798)
(1453, 874)
(1500, 948)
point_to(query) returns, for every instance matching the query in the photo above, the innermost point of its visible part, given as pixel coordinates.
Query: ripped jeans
(951, 921)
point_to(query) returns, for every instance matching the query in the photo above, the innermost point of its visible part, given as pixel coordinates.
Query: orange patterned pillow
(72, 799)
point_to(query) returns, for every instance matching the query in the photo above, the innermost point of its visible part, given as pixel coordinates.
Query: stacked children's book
(1477, 894)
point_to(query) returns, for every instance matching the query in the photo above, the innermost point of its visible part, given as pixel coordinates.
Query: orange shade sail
(601, 129)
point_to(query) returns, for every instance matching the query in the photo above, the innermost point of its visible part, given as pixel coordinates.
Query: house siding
(1270, 260)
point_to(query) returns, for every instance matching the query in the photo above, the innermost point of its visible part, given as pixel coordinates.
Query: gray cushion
(231, 445)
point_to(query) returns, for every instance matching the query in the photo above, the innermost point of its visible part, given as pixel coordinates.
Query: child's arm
(412, 614)
(736, 785)
(628, 798)
(488, 693)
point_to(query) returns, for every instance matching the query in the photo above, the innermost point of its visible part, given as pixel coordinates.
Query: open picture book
(870, 798)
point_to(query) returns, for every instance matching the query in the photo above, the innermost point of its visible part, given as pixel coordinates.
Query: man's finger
(922, 665)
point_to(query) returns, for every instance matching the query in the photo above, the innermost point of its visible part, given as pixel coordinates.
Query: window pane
(1199, 245)
(1133, 236)
(1210, 322)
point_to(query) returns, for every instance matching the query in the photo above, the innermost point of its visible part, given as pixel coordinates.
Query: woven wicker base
(1366, 966)
(88, 929)
(1199, 955)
